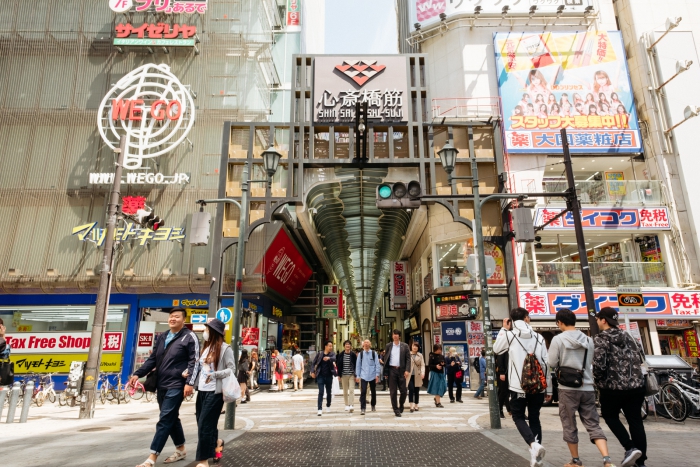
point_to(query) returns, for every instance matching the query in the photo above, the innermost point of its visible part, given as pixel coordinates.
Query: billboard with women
(579, 81)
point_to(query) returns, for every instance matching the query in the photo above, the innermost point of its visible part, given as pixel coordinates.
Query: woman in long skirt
(437, 385)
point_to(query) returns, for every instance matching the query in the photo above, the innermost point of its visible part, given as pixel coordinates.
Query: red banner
(283, 268)
(251, 336)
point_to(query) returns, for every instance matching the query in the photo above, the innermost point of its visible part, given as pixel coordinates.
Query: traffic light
(200, 227)
(398, 195)
(473, 309)
(523, 224)
(147, 219)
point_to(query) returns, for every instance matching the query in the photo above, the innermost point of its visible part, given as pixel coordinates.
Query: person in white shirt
(298, 370)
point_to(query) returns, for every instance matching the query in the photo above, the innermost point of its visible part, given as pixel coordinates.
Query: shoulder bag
(7, 372)
(651, 384)
(572, 377)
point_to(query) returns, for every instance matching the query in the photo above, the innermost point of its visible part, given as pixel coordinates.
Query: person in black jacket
(503, 392)
(453, 365)
(436, 384)
(397, 367)
(175, 356)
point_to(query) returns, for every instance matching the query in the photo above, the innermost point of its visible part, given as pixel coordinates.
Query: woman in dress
(415, 379)
(437, 384)
(243, 373)
(216, 364)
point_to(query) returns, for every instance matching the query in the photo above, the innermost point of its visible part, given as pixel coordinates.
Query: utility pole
(92, 368)
(574, 206)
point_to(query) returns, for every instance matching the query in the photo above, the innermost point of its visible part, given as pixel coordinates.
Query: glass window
(60, 318)
(452, 261)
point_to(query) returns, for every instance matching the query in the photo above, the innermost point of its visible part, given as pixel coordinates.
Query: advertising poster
(579, 81)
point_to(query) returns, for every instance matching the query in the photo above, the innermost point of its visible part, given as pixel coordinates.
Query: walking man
(618, 375)
(482, 376)
(298, 369)
(346, 362)
(323, 369)
(520, 341)
(571, 357)
(397, 366)
(368, 371)
(381, 363)
(175, 359)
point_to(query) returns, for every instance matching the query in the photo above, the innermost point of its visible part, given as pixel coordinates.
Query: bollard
(14, 395)
(3, 396)
(28, 392)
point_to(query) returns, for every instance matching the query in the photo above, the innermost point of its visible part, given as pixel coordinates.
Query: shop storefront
(678, 337)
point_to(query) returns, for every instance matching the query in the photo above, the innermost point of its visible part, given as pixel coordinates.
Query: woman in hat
(216, 364)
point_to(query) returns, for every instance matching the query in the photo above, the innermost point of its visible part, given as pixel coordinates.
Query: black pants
(169, 425)
(413, 391)
(324, 382)
(533, 403)
(207, 411)
(630, 402)
(397, 380)
(363, 393)
(451, 380)
(503, 394)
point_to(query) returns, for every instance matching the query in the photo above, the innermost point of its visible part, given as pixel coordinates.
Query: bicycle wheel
(62, 398)
(52, 396)
(136, 392)
(103, 395)
(674, 402)
(645, 409)
(109, 394)
(39, 399)
(150, 396)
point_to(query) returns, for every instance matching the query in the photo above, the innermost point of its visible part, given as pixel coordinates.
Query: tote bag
(230, 388)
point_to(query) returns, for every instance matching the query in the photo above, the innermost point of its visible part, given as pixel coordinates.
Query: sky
(360, 27)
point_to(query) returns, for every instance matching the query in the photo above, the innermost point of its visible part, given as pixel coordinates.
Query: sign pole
(574, 207)
(90, 376)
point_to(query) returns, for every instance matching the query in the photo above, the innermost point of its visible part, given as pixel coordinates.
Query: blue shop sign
(454, 331)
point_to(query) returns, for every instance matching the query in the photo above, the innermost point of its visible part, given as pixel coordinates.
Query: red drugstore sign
(607, 218)
(283, 268)
(61, 342)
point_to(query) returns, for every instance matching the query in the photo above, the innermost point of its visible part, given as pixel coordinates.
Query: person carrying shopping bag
(216, 364)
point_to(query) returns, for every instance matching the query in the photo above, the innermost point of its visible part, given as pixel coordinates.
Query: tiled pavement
(341, 438)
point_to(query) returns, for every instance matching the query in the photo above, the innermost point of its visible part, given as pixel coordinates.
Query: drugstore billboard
(579, 81)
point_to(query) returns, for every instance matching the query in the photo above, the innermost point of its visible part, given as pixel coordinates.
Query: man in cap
(618, 375)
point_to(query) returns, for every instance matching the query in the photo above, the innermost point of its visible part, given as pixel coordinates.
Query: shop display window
(452, 261)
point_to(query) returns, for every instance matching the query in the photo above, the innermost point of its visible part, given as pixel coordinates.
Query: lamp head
(448, 156)
(271, 160)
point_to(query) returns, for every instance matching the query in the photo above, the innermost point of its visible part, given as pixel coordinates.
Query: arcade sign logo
(152, 108)
(360, 71)
(120, 6)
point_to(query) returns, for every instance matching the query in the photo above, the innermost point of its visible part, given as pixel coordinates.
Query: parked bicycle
(45, 390)
(112, 392)
(680, 399)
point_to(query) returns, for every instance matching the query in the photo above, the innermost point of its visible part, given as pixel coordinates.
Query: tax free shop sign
(61, 342)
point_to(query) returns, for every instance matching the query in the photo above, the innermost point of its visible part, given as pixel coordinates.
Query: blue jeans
(327, 382)
(169, 401)
(480, 391)
(207, 411)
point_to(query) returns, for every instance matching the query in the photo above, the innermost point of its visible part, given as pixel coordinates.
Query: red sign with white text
(251, 336)
(61, 342)
(283, 268)
(146, 339)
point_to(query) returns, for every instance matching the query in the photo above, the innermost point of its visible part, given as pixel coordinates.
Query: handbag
(7, 373)
(572, 377)
(651, 384)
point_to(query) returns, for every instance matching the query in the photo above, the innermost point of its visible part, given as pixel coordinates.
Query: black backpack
(476, 364)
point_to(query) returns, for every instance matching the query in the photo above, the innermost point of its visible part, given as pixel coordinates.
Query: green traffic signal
(385, 191)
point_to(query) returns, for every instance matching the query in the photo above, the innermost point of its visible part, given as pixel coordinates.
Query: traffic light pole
(574, 206)
(90, 376)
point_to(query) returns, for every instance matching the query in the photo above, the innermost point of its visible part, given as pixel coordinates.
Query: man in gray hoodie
(572, 352)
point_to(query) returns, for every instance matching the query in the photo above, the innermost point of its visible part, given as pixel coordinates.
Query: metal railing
(568, 274)
(466, 107)
(611, 192)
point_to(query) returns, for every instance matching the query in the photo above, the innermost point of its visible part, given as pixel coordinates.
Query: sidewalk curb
(511, 447)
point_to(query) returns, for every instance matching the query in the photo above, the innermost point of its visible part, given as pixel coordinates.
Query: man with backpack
(368, 371)
(528, 377)
(618, 375)
(571, 357)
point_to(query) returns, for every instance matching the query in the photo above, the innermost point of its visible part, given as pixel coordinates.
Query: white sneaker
(352, 409)
(537, 453)
(320, 412)
(347, 408)
(328, 410)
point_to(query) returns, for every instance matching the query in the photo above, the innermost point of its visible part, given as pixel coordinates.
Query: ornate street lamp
(448, 156)
(271, 159)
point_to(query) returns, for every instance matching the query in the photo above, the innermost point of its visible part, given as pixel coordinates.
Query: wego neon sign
(152, 108)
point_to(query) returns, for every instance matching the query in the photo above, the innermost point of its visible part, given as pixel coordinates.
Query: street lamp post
(271, 159)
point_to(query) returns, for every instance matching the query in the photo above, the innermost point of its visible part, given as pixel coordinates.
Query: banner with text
(61, 342)
(607, 218)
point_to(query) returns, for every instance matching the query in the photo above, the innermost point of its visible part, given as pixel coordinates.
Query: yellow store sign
(60, 363)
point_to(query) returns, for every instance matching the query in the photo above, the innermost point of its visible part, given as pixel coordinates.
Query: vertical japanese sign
(293, 15)
(400, 295)
(341, 82)
(332, 301)
(691, 342)
(578, 81)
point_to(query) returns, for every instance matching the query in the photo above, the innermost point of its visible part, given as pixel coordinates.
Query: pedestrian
(571, 357)
(527, 383)
(243, 375)
(415, 377)
(502, 383)
(436, 383)
(175, 359)
(482, 376)
(298, 370)
(216, 363)
(347, 362)
(453, 367)
(4, 346)
(254, 366)
(323, 369)
(367, 370)
(618, 376)
(280, 367)
(381, 364)
(396, 370)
